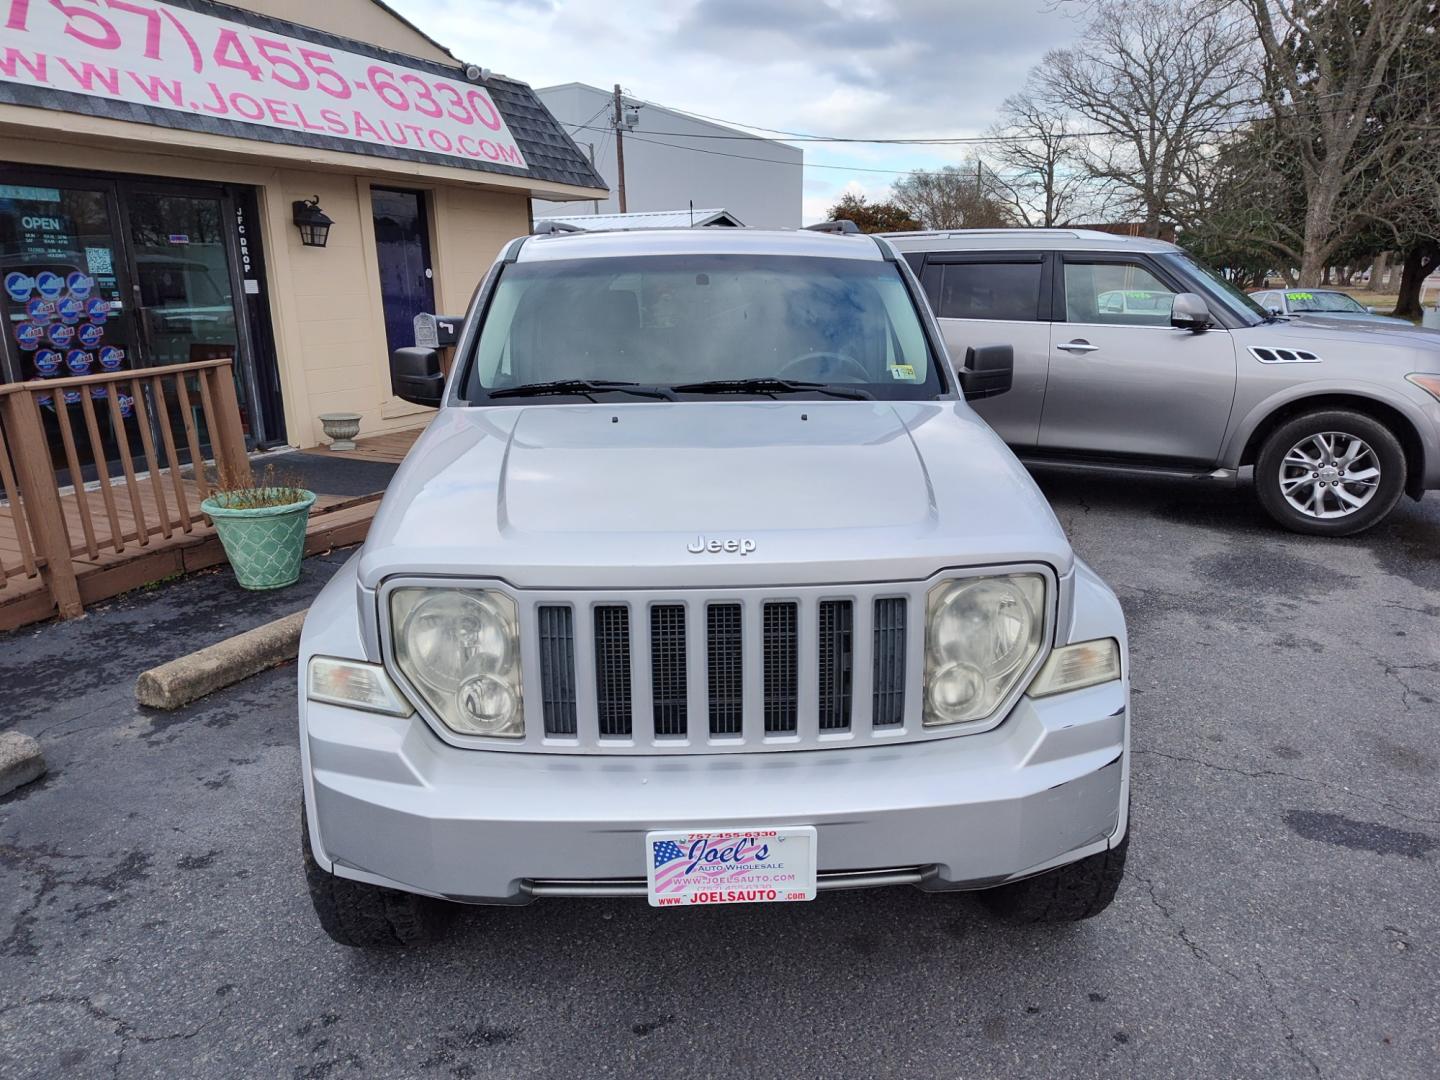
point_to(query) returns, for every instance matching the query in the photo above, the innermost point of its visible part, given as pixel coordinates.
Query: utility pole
(619, 120)
(595, 203)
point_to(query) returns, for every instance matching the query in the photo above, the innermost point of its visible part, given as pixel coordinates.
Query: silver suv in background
(705, 585)
(1131, 355)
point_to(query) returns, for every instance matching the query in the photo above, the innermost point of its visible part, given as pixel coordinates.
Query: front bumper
(392, 805)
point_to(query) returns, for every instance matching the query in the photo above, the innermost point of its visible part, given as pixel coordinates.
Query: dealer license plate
(730, 866)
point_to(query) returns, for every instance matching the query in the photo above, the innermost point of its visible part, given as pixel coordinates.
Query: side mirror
(988, 370)
(1190, 312)
(1274, 310)
(1370, 309)
(415, 376)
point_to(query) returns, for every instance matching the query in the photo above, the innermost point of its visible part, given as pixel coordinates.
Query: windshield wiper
(770, 385)
(583, 388)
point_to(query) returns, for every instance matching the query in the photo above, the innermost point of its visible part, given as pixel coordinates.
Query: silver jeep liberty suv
(705, 585)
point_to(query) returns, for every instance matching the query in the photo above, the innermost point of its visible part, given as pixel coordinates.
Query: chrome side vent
(1273, 355)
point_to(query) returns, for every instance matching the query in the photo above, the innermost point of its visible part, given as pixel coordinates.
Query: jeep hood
(632, 495)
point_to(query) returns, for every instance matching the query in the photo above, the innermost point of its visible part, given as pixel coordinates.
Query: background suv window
(982, 290)
(1122, 294)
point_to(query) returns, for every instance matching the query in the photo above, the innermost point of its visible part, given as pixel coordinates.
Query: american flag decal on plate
(731, 866)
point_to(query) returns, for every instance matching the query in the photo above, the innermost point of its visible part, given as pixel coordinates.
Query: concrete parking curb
(189, 678)
(20, 761)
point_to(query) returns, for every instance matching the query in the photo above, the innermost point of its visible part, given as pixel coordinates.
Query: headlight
(460, 649)
(1427, 382)
(981, 635)
(1074, 667)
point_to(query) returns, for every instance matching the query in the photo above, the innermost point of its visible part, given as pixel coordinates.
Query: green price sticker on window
(1299, 296)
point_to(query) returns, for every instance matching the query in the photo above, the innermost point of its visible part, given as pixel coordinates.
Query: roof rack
(550, 228)
(843, 227)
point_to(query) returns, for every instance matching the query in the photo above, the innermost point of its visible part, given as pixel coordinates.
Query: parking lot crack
(1196, 949)
(124, 1030)
(1286, 1026)
(1263, 774)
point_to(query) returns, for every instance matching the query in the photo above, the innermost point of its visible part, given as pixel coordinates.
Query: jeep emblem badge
(700, 546)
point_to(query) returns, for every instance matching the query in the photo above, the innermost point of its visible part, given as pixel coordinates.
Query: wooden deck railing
(167, 422)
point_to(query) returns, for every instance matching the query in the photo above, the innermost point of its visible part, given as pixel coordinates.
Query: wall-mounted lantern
(313, 223)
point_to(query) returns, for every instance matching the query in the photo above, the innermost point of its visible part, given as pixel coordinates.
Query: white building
(647, 219)
(672, 160)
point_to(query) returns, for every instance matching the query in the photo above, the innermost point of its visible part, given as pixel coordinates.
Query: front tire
(368, 916)
(1070, 893)
(1330, 473)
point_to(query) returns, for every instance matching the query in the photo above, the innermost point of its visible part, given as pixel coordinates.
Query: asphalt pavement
(1280, 917)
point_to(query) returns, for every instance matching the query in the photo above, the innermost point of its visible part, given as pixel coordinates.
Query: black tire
(1382, 441)
(1078, 890)
(367, 916)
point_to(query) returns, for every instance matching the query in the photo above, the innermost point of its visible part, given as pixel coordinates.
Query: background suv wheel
(1330, 473)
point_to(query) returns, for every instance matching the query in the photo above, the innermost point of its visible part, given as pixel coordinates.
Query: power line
(768, 161)
(958, 140)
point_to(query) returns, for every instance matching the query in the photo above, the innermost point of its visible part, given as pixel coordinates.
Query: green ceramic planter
(265, 545)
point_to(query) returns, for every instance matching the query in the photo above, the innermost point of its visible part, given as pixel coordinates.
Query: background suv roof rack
(844, 226)
(550, 228)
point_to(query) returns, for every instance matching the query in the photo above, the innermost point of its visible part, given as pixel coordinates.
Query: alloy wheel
(1331, 474)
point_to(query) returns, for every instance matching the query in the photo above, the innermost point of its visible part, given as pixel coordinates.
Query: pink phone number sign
(173, 58)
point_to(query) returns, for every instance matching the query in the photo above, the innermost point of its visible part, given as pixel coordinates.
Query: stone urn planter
(262, 529)
(341, 429)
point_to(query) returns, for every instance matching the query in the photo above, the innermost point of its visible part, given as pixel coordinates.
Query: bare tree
(967, 196)
(1328, 66)
(1158, 81)
(1038, 163)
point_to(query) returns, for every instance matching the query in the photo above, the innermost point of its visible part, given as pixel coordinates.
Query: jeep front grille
(889, 706)
(557, 667)
(782, 675)
(835, 660)
(667, 668)
(673, 673)
(732, 669)
(612, 668)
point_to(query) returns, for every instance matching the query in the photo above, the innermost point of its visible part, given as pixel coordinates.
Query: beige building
(155, 172)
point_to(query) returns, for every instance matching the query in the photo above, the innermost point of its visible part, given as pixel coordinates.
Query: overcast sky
(894, 68)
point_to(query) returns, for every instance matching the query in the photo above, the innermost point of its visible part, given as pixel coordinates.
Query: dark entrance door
(66, 305)
(109, 274)
(402, 245)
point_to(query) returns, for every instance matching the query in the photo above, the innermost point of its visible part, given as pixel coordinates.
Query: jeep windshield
(700, 325)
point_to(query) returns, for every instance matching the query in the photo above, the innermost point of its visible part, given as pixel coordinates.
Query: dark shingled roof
(549, 151)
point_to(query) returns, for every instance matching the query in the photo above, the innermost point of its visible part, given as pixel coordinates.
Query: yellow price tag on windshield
(905, 372)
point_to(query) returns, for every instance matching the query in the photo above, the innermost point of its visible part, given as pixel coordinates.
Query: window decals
(47, 362)
(49, 285)
(28, 335)
(19, 286)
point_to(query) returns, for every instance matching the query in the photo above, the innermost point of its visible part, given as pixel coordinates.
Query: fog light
(487, 705)
(955, 689)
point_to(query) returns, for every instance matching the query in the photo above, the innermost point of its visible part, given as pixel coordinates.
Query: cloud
(891, 68)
